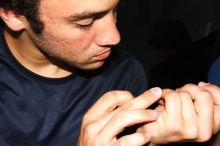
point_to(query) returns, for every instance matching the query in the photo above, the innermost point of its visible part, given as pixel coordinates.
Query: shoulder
(214, 72)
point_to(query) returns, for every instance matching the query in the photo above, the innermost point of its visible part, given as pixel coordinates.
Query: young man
(59, 72)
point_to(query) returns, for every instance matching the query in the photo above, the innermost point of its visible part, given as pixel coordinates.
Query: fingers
(133, 112)
(126, 118)
(173, 106)
(169, 126)
(115, 111)
(203, 103)
(181, 116)
(215, 90)
(144, 100)
(190, 131)
(107, 103)
(136, 139)
(97, 135)
(113, 99)
(187, 116)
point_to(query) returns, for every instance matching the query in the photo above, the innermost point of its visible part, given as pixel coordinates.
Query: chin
(92, 66)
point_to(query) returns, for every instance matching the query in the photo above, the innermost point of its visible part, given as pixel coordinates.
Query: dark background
(175, 40)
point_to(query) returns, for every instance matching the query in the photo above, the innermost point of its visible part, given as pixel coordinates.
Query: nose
(108, 34)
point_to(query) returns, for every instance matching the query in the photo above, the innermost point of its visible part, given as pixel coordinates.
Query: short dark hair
(27, 8)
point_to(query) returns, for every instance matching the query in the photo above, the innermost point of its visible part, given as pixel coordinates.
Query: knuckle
(189, 85)
(85, 117)
(171, 95)
(206, 95)
(127, 94)
(191, 133)
(111, 95)
(212, 86)
(185, 94)
(176, 129)
(89, 129)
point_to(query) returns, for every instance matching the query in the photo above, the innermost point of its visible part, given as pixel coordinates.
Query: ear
(13, 20)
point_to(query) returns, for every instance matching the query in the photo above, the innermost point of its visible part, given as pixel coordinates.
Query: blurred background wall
(153, 30)
(200, 16)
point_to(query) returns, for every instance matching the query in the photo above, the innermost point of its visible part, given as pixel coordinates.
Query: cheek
(67, 35)
(71, 40)
(79, 43)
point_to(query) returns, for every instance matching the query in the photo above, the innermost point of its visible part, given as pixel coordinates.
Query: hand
(112, 113)
(187, 114)
(215, 90)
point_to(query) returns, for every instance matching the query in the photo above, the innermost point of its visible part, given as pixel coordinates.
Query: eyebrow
(90, 14)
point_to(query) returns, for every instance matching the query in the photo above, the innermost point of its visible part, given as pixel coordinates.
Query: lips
(103, 55)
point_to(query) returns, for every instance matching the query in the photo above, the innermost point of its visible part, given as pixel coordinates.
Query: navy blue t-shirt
(214, 72)
(40, 111)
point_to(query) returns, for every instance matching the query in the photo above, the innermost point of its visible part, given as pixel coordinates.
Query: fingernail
(156, 91)
(202, 84)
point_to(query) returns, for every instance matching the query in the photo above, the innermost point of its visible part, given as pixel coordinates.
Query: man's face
(78, 32)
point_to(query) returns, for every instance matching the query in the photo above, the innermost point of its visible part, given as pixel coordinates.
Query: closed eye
(85, 24)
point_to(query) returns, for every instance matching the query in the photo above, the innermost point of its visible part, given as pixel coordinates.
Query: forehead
(69, 7)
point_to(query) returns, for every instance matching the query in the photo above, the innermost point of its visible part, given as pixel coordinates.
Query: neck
(32, 58)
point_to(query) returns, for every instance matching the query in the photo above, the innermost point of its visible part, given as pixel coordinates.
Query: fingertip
(157, 91)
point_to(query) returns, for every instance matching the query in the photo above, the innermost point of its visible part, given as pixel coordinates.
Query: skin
(86, 20)
(79, 27)
(180, 117)
(112, 113)
(190, 113)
